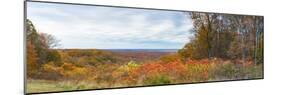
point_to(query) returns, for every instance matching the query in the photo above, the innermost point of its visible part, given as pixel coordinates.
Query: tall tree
(225, 36)
(43, 45)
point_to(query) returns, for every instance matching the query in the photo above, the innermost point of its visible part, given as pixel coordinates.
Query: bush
(127, 73)
(68, 66)
(55, 57)
(73, 72)
(197, 72)
(230, 71)
(51, 72)
(157, 80)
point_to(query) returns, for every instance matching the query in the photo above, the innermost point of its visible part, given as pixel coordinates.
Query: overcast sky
(85, 27)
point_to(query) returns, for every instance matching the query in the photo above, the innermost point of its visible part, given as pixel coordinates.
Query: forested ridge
(223, 47)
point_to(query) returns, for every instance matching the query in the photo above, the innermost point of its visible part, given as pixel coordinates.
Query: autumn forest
(221, 47)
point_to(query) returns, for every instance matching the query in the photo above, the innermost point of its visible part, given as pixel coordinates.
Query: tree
(32, 59)
(202, 23)
(249, 31)
(225, 36)
(49, 40)
(203, 43)
(41, 45)
(34, 38)
(54, 56)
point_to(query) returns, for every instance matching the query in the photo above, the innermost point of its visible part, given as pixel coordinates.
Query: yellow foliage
(50, 67)
(73, 72)
(51, 71)
(68, 66)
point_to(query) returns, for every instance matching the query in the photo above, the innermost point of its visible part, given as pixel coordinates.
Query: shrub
(157, 80)
(175, 70)
(227, 71)
(55, 57)
(127, 73)
(73, 72)
(129, 66)
(152, 68)
(51, 71)
(68, 66)
(197, 72)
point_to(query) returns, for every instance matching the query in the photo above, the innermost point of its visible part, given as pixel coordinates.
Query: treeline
(90, 57)
(226, 36)
(39, 50)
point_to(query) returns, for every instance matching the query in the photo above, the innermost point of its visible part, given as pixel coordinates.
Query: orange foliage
(32, 59)
(71, 71)
(176, 68)
(68, 66)
(203, 61)
(172, 69)
(152, 68)
(198, 69)
(51, 71)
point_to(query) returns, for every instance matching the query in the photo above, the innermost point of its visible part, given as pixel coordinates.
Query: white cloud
(102, 27)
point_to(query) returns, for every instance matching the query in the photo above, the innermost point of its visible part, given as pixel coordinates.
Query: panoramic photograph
(86, 47)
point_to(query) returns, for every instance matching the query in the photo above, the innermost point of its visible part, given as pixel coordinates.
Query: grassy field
(36, 86)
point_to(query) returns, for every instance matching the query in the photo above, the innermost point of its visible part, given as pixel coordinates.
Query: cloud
(111, 28)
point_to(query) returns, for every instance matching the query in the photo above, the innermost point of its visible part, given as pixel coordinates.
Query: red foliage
(175, 68)
(152, 68)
